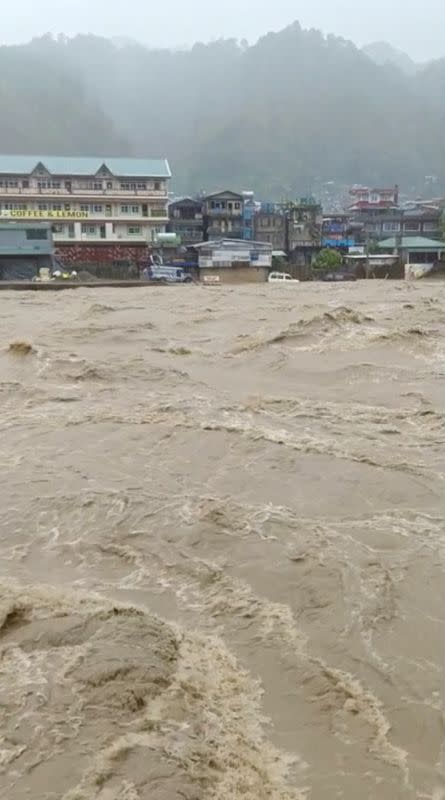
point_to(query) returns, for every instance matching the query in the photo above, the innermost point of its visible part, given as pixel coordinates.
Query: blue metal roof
(88, 165)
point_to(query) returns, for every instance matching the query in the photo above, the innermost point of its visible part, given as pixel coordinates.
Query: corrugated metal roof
(413, 243)
(88, 165)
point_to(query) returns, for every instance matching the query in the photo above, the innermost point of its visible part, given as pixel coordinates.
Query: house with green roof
(100, 209)
(415, 249)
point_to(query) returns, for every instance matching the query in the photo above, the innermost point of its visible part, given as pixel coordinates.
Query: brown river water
(222, 543)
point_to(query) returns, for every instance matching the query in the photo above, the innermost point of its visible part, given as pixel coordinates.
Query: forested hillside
(282, 116)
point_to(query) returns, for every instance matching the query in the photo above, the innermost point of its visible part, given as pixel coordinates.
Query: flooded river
(222, 540)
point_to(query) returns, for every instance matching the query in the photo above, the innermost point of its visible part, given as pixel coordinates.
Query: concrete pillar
(78, 231)
(109, 231)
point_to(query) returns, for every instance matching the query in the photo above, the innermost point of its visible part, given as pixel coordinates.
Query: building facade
(234, 260)
(186, 220)
(224, 215)
(304, 230)
(100, 209)
(367, 199)
(270, 226)
(24, 249)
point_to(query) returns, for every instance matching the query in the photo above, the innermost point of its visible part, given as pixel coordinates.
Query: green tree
(328, 260)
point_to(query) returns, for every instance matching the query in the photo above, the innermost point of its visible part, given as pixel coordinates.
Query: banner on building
(31, 214)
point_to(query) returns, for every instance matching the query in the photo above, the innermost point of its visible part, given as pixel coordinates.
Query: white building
(88, 200)
(233, 252)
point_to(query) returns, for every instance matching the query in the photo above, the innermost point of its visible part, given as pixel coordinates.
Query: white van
(281, 277)
(166, 274)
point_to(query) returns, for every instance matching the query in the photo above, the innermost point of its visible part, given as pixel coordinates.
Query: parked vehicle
(163, 273)
(281, 277)
(334, 277)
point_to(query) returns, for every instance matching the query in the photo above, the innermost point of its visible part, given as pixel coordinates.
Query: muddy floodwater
(222, 542)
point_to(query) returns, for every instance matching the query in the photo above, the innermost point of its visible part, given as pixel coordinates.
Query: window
(36, 233)
(389, 227)
(98, 209)
(13, 184)
(67, 206)
(15, 206)
(142, 186)
(128, 187)
(430, 226)
(125, 209)
(108, 210)
(157, 186)
(90, 185)
(375, 198)
(57, 206)
(25, 184)
(158, 212)
(89, 230)
(109, 184)
(411, 226)
(85, 208)
(42, 207)
(237, 206)
(135, 209)
(48, 184)
(134, 230)
(71, 230)
(58, 229)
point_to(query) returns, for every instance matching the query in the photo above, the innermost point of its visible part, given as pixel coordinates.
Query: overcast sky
(416, 27)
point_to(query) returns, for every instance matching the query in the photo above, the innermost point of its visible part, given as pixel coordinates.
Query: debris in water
(21, 348)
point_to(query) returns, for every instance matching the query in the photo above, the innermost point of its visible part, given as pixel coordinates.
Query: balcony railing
(77, 192)
(224, 212)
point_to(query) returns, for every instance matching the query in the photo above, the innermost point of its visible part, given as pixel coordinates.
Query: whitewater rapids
(222, 538)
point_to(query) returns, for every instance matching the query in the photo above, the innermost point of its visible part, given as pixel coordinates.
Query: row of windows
(90, 230)
(98, 186)
(221, 205)
(395, 227)
(88, 208)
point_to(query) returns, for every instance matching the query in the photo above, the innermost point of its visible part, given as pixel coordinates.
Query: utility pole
(367, 265)
(287, 232)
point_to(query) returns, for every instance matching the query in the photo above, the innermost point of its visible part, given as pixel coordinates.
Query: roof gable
(225, 194)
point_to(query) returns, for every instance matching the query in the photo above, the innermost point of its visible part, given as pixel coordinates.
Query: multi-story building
(304, 230)
(101, 209)
(366, 199)
(223, 216)
(337, 232)
(413, 220)
(270, 225)
(186, 220)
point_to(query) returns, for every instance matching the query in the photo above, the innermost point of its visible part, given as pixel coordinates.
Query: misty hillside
(383, 53)
(281, 117)
(431, 81)
(43, 109)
